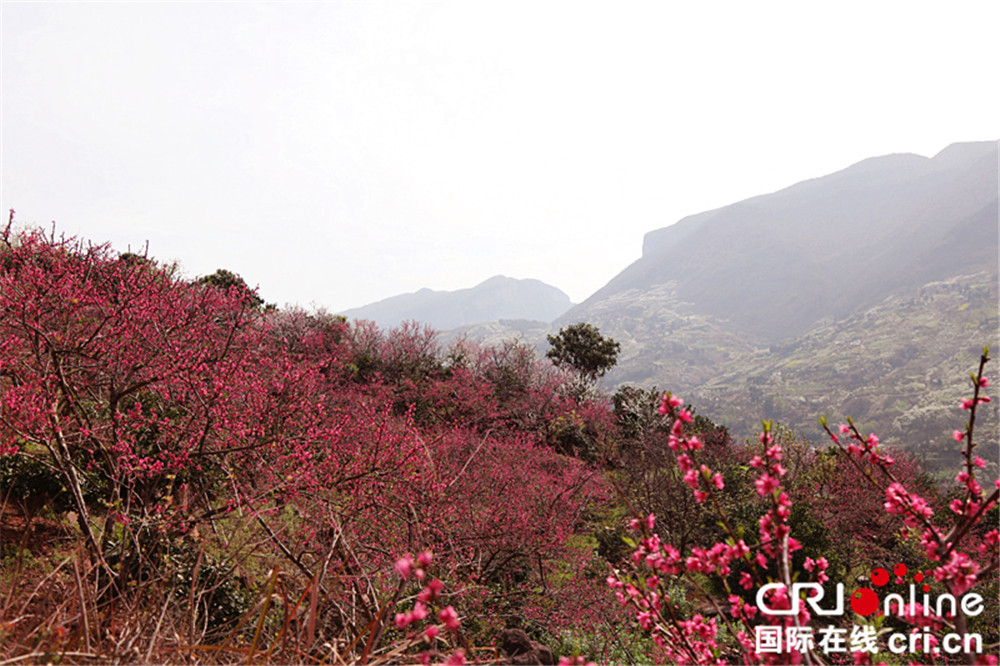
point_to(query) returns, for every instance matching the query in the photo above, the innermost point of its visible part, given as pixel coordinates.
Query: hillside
(192, 477)
(499, 297)
(865, 292)
(895, 368)
(859, 293)
(774, 266)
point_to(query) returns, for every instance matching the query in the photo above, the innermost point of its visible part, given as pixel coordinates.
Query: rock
(519, 649)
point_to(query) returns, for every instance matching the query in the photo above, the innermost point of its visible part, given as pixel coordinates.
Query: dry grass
(57, 606)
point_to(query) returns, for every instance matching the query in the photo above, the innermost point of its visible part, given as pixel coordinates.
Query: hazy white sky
(336, 153)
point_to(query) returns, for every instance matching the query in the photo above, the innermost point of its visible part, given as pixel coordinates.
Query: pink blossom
(419, 611)
(698, 561)
(431, 592)
(691, 478)
(449, 618)
(766, 484)
(898, 501)
(404, 566)
(928, 539)
(960, 571)
(669, 401)
(778, 598)
(974, 487)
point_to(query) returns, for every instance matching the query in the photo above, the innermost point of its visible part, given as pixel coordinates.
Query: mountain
(898, 368)
(497, 298)
(774, 266)
(867, 292)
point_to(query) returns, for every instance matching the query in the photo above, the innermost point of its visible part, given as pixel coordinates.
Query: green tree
(583, 348)
(225, 280)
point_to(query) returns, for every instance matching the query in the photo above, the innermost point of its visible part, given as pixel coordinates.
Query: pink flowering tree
(128, 384)
(659, 572)
(203, 444)
(960, 551)
(194, 431)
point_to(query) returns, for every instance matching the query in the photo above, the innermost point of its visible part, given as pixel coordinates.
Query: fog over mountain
(773, 266)
(866, 293)
(499, 297)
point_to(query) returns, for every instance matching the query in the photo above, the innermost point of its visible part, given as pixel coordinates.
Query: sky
(338, 153)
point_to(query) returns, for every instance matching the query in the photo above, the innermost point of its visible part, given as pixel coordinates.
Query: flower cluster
(655, 565)
(700, 478)
(417, 568)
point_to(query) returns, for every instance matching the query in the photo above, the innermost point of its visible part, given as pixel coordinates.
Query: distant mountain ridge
(867, 292)
(497, 298)
(777, 264)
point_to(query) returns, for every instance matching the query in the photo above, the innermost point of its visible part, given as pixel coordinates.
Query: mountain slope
(776, 265)
(497, 298)
(898, 369)
(867, 292)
